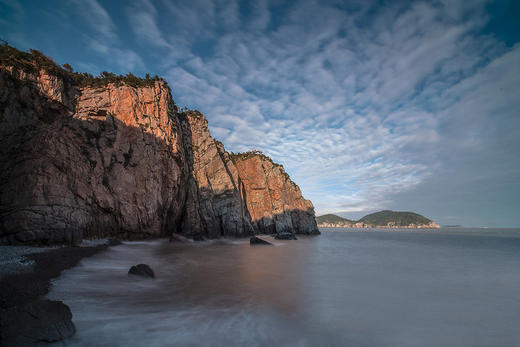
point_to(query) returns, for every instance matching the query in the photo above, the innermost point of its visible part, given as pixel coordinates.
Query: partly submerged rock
(81, 159)
(285, 236)
(258, 241)
(142, 270)
(178, 238)
(38, 322)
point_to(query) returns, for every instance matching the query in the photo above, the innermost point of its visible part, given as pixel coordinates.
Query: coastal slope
(112, 156)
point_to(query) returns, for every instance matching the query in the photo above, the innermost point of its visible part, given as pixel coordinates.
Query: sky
(369, 105)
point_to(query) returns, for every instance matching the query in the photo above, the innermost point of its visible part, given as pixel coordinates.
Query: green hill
(332, 218)
(396, 218)
(382, 218)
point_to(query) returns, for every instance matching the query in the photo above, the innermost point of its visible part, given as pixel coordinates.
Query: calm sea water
(375, 288)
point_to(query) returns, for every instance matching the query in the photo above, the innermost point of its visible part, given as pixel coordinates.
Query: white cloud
(103, 37)
(353, 100)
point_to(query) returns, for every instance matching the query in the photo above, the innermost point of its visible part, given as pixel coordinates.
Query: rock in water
(258, 241)
(285, 236)
(37, 322)
(142, 270)
(178, 238)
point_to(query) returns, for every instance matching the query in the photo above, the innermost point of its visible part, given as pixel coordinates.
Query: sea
(345, 287)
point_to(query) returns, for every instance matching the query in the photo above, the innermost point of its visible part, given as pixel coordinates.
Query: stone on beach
(258, 241)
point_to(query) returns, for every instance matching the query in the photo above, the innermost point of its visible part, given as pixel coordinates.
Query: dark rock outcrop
(113, 157)
(142, 270)
(38, 322)
(285, 236)
(258, 241)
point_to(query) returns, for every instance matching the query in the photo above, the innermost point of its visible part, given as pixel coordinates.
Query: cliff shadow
(65, 178)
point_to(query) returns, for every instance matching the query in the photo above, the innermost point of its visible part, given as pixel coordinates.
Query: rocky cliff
(85, 157)
(238, 194)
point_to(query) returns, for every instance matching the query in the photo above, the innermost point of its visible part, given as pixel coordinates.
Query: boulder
(285, 236)
(178, 238)
(141, 270)
(37, 322)
(258, 241)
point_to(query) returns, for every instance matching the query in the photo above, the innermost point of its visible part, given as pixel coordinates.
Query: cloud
(361, 105)
(402, 105)
(103, 37)
(97, 17)
(143, 17)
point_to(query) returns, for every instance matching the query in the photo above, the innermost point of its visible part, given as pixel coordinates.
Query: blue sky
(369, 105)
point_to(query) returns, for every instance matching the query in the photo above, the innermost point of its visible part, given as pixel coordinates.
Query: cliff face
(382, 219)
(116, 160)
(87, 162)
(274, 202)
(214, 205)
(238, 195)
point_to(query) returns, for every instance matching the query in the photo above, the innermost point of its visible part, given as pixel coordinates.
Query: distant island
(382, 219)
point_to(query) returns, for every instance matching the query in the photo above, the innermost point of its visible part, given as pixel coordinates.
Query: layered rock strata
(116, 160)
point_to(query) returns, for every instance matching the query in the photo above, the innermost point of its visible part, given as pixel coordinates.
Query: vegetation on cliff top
(250, 154)
(381, 218)
(34, 60)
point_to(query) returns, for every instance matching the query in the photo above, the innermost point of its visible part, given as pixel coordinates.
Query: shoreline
(25, 315)
(23, 287)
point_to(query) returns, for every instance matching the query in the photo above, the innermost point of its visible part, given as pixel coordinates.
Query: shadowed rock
(141, 270)
(258, 241)
(285, 236)
(116, 159)
(178, 238)
(38, 322)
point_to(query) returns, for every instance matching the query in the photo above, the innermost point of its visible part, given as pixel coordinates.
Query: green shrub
(35, 60)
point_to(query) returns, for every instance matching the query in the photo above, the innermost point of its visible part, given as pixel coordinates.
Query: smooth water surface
(373, 288)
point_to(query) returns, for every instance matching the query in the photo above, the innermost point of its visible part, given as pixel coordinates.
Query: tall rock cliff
(238, 194)
(275, 203)
(215, 205)
(85, 157)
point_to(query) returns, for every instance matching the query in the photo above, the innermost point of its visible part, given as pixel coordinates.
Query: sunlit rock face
(119, 161)
(87, 162)
(274, 202)
(238, 195)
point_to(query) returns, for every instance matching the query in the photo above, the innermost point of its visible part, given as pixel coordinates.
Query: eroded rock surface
(258, 241)
(274, 201)
(87, 162)
(117, 160)
(215, 206)
(238, 195)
